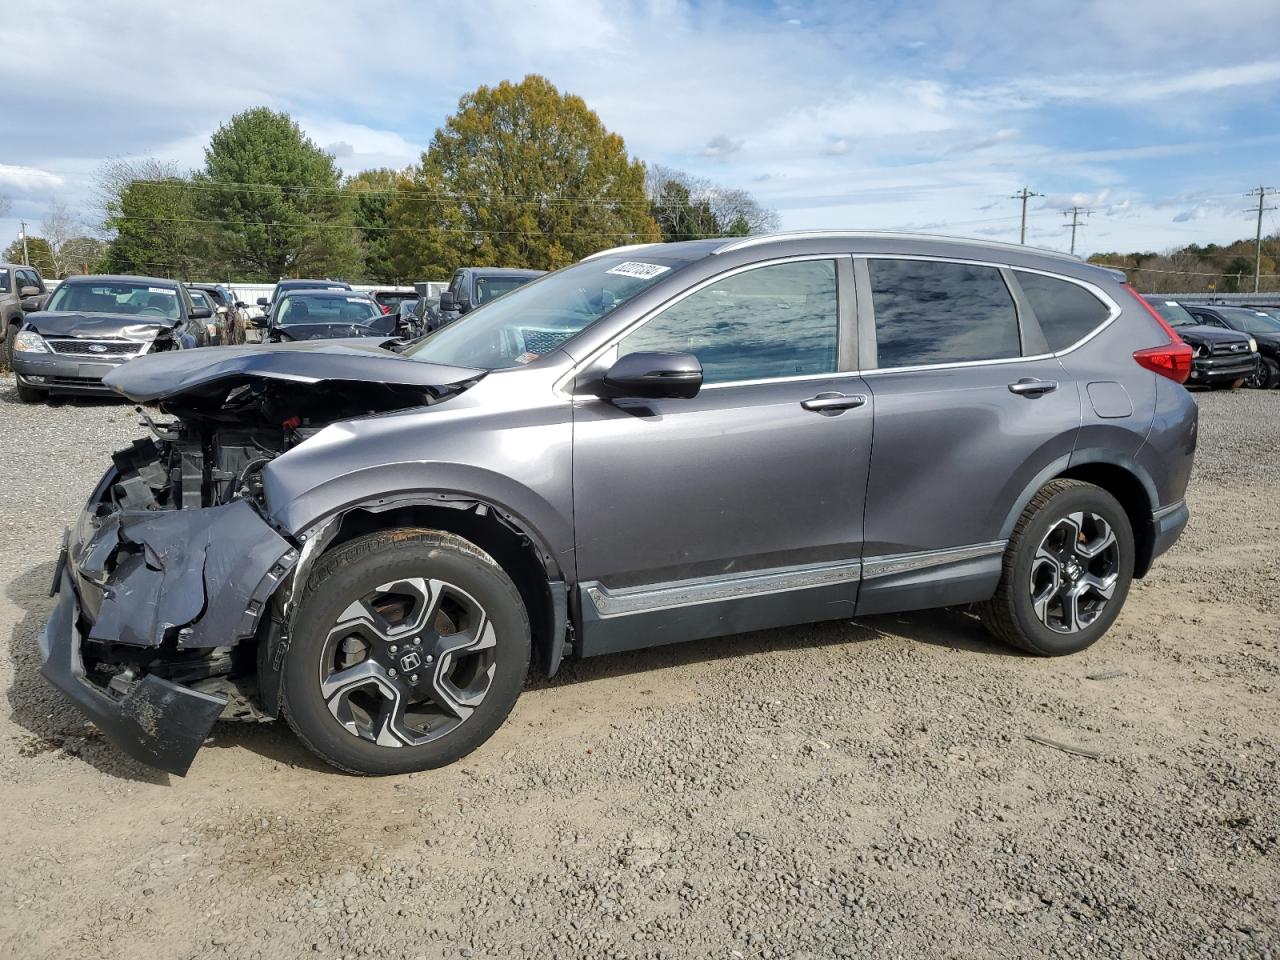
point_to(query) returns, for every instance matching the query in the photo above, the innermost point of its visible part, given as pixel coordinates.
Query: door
(970, 408)
(742, 507)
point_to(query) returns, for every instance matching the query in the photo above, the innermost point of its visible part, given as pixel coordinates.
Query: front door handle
(1030, 387)
(830, 404)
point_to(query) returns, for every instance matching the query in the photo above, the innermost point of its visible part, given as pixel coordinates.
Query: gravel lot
(830, 790)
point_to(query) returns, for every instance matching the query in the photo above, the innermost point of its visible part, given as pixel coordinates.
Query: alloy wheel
(1074, 572)
(408, 662)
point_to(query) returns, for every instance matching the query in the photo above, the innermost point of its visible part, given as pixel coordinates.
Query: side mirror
(259, 322)
(240, 305)
(201, 313)
(448, 301)
(652, 376)
(30, 304)
(29, 291)
(264, 302)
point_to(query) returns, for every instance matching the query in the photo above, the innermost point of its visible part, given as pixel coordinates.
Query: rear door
(740, 508)
(969, 407)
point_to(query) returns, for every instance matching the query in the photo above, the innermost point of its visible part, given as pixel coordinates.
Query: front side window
(117, 297)
(4, 281)
(770, 322)
(929, 312)
(1066, 311)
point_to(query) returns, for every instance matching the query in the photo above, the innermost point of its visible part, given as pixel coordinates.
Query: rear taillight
(386, 311)
(1173, 360)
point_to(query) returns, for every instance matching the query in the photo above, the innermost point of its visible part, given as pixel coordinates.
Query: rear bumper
(155, 721)
(1167, 525)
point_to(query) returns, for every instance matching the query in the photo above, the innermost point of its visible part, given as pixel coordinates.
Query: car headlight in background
(28, 341)
(1253, 345)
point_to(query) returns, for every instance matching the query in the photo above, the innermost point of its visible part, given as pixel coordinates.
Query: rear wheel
(409, 649)
(1066, 571)
(1267, 375)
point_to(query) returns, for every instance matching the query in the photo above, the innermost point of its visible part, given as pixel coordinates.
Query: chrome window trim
(1097, 291)
(628, 601)
(563, 384)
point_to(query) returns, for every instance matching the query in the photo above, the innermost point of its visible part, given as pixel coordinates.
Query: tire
(428, 571)
(31, 394)
(10, 336)
(1268, 375)
(1060, 508)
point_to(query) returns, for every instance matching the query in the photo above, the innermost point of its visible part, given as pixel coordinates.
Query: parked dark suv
(21, 290)
(1258, 325)
(657, 444)
(1221, 358)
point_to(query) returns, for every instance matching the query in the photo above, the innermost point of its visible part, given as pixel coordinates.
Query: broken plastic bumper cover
(183, 579)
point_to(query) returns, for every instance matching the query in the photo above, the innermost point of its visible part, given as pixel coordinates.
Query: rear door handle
(1030, 387)
(829, 404)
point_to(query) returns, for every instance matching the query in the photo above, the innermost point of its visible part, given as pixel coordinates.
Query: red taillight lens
(1172, 360)
(385, 310)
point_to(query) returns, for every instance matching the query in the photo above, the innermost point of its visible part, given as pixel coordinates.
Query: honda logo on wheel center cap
(410, 661)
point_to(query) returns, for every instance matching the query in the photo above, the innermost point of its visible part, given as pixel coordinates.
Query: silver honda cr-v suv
(660, 443)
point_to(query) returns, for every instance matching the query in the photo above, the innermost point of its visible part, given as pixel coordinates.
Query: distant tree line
(1196, 268)
(521, 175)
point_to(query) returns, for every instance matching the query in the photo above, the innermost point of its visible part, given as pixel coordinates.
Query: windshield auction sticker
(641, 271)
(172, 293)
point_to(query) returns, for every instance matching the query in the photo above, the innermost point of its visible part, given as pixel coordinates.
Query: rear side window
(762, 324)
(4, 281)
(929, 312)
(1067, 311)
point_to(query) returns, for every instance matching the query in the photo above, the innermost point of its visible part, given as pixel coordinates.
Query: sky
(1155, 115)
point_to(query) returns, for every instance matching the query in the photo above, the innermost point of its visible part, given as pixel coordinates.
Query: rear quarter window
(1066, 311)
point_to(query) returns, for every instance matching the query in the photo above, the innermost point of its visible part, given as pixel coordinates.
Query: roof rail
(762, 238)
(605, 253)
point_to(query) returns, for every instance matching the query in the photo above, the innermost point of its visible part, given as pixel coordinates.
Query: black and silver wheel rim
(408, 662)
(1074, 572)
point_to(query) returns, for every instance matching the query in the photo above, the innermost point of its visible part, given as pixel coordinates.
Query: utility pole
(1074, 213)
(26, 259)
(1024, 195)
(1261, 193)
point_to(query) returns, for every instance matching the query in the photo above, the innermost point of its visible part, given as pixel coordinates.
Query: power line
(1024, 195)
(1074, 213)
(1261, 193)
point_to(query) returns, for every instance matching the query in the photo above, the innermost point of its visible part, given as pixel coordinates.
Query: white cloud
(28, 179)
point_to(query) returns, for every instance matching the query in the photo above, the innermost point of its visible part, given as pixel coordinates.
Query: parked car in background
(472, 287)
(390, 300)
(1262, 328)
(313, 314)
(93, 324)
(21, 291)
(203, 301)
(231, 317)
(1221, 358)
(285, 286)
(656, 444)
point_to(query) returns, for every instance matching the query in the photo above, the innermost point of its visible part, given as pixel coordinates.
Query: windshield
(117, 296)
(1250, 321)
(1174, 312)
(491, 288)
(299, 309)
(538, 317)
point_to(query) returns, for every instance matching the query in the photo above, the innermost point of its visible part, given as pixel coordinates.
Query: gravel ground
(832, 790)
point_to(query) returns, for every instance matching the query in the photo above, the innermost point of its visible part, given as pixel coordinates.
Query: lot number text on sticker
(641, 271)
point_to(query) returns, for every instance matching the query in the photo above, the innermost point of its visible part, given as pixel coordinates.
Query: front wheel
(30, 394)
(1266, 376)
(1066, 571)
(408, 651)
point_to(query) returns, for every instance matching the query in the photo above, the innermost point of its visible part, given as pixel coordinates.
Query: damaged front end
(165, 580)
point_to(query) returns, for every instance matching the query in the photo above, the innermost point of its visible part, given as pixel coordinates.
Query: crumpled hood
(97, 325)
(215, 369)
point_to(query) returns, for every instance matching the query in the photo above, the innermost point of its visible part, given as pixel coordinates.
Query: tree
(523, 176)
(274, 201)
(148, 207)
(372, 192)
(687, 207)
(38, 252)
(70, 247)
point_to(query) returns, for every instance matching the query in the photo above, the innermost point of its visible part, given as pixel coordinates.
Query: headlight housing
(1253, 345)
(28, 341)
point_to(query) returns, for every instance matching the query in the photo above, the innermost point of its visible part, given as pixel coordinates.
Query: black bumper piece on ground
(157, 722)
